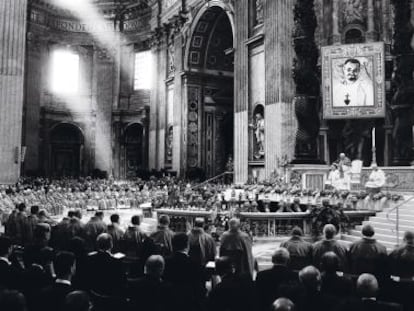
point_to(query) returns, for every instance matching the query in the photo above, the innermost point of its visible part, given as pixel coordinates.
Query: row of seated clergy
(342, 178)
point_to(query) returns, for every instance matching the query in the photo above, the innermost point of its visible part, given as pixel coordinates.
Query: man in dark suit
(275, 282)
(329, 244)
(93, 229)
(202, 245)
(311, 298)
(32, 221)
(150, 292)
(300, 251)
(116, 232)
(402, 258)
(367, 255)
(163, 236)
(235, 292)
(10, 276)
(52, 298)
(106, 274)
(367, 290)
(334, 283)
(185, 277)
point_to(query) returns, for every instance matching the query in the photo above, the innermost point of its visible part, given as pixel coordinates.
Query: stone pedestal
(12, 56)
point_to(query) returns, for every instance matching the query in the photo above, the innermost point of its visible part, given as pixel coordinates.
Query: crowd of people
(72, 265)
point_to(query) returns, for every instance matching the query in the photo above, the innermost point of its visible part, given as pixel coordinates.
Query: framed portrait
(353, 81)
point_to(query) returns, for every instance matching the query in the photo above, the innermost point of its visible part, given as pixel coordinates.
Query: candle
(373, 137)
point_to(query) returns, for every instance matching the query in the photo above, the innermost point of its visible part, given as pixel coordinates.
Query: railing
(212, 179)
(396, 208)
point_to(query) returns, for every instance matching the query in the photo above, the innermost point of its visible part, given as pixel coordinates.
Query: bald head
(329, 231)
(310, 277)
(154, 266)
(367, 285)
(283, 304)
(104, 242)
(234, 224)
(281, 256)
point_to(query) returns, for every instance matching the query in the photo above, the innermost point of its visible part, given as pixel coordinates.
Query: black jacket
(274, 283)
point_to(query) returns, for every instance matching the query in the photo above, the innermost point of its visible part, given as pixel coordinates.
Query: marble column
(280, 121)
(161, 106)
(152, 148)
(12, 69)
(36, 56)
(178, 117)
(336, 36)
(103, 96)
(241, 149)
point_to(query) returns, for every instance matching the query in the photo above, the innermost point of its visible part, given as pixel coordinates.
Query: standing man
(402, 258)
(300, 250)
(329, 244)
(162, 238)
(202, 245)
(238, 246)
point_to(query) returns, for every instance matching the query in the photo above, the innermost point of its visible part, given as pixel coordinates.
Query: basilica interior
(122, 88)
(280, 129)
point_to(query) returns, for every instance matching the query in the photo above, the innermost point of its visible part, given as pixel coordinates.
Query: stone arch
(201, 10)
(66, 147)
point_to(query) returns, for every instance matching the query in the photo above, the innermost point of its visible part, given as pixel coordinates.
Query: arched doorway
(134, 149)
(66, 150)
(210, 84)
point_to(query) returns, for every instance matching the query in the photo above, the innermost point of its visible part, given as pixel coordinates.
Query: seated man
(376, 179)
(333, 177)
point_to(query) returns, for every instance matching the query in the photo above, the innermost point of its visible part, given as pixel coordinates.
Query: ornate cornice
(167, 32)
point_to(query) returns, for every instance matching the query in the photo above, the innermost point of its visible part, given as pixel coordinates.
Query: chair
(355, 174)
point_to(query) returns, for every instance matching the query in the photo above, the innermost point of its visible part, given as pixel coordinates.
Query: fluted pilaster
(179, 108)
(161, 105)
(241, 92)
(152, 135)
(12, 52)
(280, 122)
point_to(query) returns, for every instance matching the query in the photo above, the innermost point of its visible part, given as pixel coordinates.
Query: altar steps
(384, 224)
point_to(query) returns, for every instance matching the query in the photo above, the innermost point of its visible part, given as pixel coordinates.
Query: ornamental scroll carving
(353, 11)
(193, 143)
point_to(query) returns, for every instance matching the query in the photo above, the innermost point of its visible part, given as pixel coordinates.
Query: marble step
(393, 216)
(403, 221)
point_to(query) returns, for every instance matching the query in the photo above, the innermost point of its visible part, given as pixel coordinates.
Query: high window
(143, 70)
(64, 72)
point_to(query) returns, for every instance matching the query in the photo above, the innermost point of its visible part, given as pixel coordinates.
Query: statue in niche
(353, 11)
(259, 12)
(171, 65)
(259, 132)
